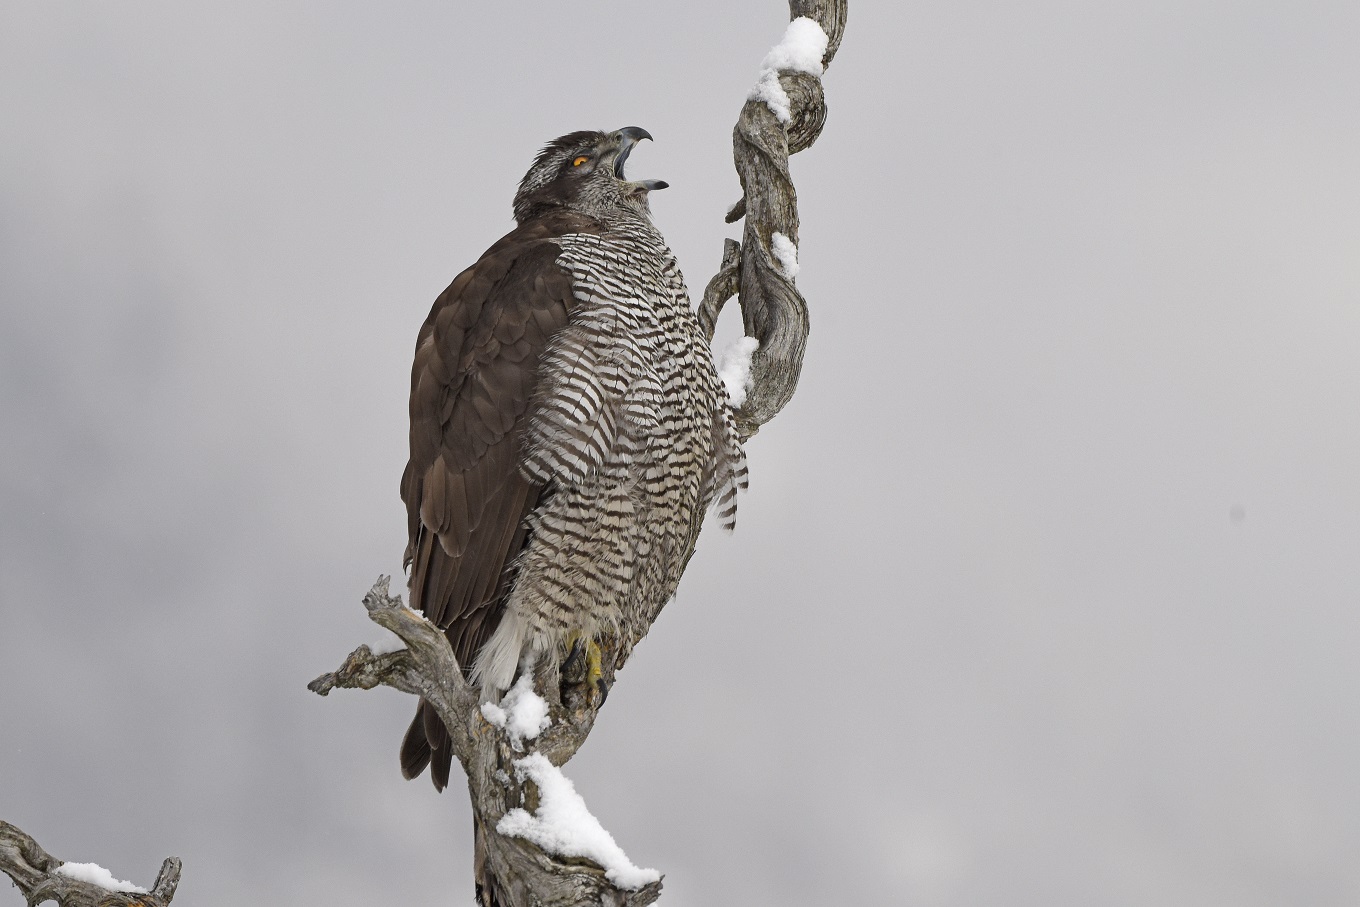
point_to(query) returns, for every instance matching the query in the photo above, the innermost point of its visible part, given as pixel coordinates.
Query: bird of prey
(568, 431)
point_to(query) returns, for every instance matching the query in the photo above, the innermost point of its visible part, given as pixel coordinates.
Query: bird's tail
(499, 659)
(427, 743)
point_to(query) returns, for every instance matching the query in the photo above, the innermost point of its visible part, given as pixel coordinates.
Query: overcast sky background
(1045, 590)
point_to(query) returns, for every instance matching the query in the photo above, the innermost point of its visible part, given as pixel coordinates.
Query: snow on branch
(785, 252)
(523, 714)
(41, 877)
(536, 841)
(784, 113)
(734, 368)
(801, 50)
(563, 825)
(97, 876)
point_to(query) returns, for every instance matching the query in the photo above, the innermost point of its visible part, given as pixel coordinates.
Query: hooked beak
(628, 137)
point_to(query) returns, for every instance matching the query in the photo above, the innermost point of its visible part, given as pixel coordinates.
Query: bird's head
(583, 172)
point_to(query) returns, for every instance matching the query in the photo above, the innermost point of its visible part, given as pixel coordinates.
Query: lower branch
(510, 754)
(41, 877)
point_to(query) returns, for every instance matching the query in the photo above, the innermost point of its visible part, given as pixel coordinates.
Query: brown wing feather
(476, 365)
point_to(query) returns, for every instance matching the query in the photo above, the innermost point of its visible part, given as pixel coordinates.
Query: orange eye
(580, 160)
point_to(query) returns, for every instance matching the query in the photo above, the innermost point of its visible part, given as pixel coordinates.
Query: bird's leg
(582, 666)
(574, 667)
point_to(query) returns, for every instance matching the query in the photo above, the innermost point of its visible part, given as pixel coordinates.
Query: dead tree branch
(773, 311)
(39, 877)
(512, 870)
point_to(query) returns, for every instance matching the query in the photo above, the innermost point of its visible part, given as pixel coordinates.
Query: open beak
(628, 137)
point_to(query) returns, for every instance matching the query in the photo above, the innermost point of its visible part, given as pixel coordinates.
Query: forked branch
(41, 877)
(509, 771)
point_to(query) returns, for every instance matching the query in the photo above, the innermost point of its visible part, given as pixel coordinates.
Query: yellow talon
(594, 670)
(583, 664)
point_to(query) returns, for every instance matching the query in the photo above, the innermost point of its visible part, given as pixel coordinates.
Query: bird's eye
(580, 159)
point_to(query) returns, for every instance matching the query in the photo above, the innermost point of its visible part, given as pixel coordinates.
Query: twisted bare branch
(773, 311)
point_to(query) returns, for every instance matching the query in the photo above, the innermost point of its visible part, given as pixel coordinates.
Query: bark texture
(773, 311)
(510, 871)
(34, 872)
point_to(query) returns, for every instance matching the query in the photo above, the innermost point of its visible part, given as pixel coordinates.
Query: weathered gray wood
(724, 284)
(34, 872)
(510, 871)
(773, 311)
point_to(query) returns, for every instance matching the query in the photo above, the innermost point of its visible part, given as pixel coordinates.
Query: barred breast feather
(629, 428)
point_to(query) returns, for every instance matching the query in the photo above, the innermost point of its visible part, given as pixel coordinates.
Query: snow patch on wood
(801, 50)
(564, 826)
(734, 368)
(95, 874)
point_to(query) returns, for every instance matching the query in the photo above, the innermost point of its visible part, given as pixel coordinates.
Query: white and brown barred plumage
(568, 430)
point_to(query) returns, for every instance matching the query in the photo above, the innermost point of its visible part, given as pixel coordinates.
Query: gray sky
(1045, 590)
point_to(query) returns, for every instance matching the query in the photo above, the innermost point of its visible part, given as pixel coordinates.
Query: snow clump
(734, 368)
(522, 712)
(564, 826)
(801, 50)
(786, 253)
(97, 875)
(386, 642)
